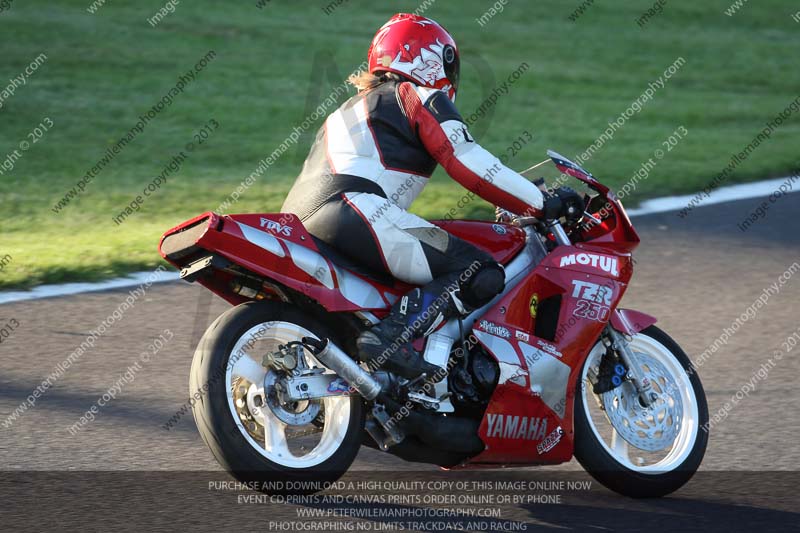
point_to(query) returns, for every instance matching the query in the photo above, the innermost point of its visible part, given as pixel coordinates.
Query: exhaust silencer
(334, 358)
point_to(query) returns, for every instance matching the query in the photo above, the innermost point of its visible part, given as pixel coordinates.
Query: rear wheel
(637, 451)
(240, 418)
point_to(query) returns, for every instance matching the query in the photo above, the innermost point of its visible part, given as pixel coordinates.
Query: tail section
(244, 257)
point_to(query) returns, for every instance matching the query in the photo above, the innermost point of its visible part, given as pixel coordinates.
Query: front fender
(631, 322)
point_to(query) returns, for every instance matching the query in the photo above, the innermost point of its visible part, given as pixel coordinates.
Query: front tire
(681, 419)
(233, 412)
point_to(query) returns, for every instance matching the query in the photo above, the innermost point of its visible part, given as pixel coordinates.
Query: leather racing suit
(371, 159)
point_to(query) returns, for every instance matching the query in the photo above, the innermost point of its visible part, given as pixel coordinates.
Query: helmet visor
(452, 65)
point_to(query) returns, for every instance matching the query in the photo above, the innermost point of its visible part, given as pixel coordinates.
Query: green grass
(274, 65)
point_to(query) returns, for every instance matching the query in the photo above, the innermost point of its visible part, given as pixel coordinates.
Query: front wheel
(637, 451)
(249, 431)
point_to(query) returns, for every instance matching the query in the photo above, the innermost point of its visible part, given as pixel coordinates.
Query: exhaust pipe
(453, 435)
(334, 358)
(445, 434)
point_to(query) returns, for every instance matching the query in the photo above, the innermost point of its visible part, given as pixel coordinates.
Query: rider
(371, 159)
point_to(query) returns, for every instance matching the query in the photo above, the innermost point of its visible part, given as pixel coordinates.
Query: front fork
(643, 386)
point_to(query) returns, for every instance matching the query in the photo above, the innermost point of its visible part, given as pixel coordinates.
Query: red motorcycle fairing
(540, 333)
(502, 241)
(277, 247)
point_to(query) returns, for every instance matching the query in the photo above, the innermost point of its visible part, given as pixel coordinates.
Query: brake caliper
(286, 359)
(610, 374)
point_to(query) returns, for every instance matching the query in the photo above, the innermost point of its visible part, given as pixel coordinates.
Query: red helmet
(417, 48)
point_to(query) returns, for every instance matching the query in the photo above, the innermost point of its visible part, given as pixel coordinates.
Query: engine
(473, 381)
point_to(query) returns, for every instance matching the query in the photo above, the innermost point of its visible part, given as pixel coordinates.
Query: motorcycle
(550, 369)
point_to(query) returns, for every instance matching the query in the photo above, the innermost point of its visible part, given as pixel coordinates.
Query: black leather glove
(563, 202)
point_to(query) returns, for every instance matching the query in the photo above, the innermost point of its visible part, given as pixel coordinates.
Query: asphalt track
(696, 274)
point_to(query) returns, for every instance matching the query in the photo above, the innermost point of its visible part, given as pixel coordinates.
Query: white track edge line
(66, 289)
(731, 193)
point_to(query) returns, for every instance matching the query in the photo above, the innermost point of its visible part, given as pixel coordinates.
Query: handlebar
(522, 222)
(596, 218)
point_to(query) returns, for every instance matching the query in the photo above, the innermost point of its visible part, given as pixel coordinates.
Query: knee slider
(486, 283)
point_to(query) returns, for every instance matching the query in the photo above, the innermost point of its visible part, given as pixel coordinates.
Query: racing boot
(388, 345)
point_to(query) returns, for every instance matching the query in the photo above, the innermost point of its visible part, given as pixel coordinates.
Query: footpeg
(424, 400)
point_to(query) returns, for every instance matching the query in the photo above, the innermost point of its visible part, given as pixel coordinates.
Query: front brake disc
(650, 428)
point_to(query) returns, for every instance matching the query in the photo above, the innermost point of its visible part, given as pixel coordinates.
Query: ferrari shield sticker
(534, 304)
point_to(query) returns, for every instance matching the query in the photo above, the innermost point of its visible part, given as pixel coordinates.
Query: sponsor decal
(500, 230)
(522, 336)
(276, 227)
(549, 348)
(339, 385)
(592, 292)
(404, 305)
(603, 262)
(550, 441)
(516, 427)
(594, 300)
(494, 329)
(534, 305)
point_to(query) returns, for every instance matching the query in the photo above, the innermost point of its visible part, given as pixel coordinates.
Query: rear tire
(594, 455)
(229, 441)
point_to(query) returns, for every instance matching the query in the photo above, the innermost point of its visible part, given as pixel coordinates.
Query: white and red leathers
(373, 157)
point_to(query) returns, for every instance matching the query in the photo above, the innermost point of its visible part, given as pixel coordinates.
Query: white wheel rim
(622, 451)
(244, 369)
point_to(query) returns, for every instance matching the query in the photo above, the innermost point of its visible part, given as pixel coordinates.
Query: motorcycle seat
(345, 262)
